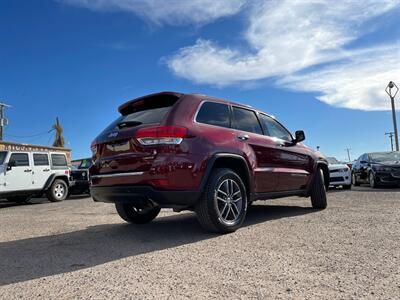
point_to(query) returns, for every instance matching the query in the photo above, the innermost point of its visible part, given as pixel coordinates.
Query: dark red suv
(195, 152)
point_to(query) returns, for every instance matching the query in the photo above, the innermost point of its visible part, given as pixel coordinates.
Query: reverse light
(161, 135)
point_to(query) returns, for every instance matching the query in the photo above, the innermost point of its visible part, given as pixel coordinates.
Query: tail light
(161, 135)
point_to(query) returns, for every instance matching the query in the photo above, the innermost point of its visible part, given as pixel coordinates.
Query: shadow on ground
(37, 257)
(4, 203)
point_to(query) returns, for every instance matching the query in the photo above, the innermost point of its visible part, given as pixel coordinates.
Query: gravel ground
(81, 249)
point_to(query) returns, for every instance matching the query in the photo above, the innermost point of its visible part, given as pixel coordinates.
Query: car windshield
(332, 160)
(385, 156)
(3, 155)
(85, 164)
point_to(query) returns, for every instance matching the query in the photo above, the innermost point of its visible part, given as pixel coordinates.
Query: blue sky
(315, 66)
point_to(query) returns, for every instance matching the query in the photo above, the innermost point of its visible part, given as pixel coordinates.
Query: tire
(347, 187)
(372, 181)
(354, 180)
(19, 199)
(134, 215)
(58, 191)
(318, 191)
(223, 205)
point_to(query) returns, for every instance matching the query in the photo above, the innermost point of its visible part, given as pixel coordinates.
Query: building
(10, 146)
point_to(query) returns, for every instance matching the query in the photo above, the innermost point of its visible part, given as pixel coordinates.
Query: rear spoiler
(156, 100)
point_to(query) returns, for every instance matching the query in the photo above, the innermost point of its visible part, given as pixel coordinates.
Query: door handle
(46, 170)
(28, 170)
(243, 137)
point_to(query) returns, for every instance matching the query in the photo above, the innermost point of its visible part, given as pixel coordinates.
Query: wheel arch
(52, 178)
(231, 161)
(325, 169)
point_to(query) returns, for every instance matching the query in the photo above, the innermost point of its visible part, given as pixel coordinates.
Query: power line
(29, 136)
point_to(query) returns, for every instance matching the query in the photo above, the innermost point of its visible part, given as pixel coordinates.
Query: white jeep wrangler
(24, 175)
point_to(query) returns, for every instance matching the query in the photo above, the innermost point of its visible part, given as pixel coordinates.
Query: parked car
(79, 178)
(379, 168)
(194, 152)
(340, 173)
(24, 175)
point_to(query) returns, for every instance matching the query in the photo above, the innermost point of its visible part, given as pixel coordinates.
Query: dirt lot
(81, 249)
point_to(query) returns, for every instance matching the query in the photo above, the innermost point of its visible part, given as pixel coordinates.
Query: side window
(20, 159)
(246, 120)
(58, 160)
(274, 129)
(40, 159)
(214, 114)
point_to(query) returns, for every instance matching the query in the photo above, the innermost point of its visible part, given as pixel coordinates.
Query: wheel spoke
(227, 212)
(237, 200)
(235, 214)
(221, 199)
(223, 210)
(235, 193)
(222, 192)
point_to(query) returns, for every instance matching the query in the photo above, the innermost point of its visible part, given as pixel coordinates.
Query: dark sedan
(378, 168)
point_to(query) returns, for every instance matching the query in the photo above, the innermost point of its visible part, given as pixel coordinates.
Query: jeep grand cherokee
(195, 152)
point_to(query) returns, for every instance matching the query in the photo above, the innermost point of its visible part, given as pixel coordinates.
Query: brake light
(161, 135)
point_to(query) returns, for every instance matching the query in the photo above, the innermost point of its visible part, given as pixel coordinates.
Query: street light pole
(390, 134)
(392, 95)
(3, 120)
(348, 154)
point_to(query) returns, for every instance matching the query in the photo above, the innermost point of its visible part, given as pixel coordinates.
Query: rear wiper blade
(124, 124)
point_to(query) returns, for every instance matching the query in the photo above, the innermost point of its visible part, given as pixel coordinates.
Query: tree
(59, 141)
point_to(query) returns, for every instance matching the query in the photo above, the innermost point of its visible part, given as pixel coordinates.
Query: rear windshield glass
(151, 111)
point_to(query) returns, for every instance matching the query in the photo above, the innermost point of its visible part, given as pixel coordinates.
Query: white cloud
(172, 12)
(287, 37)
(357, 84)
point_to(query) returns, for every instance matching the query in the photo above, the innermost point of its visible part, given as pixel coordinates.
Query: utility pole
(392, 95)
(3, 120)
(391, 135)
(348, 153)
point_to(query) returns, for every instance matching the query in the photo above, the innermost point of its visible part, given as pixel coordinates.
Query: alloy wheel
(229, 201)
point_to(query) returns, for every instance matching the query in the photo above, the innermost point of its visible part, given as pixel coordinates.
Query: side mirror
(10, 165)
(300, 136)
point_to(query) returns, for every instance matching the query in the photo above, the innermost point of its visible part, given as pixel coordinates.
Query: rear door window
(213, 113)
(58, 160)
(20, 159)
(40, 159)
(246, 120)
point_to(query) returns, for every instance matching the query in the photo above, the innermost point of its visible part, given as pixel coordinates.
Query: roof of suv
(125, 106)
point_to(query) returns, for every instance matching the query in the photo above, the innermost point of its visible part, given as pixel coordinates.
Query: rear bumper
(136, 194)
